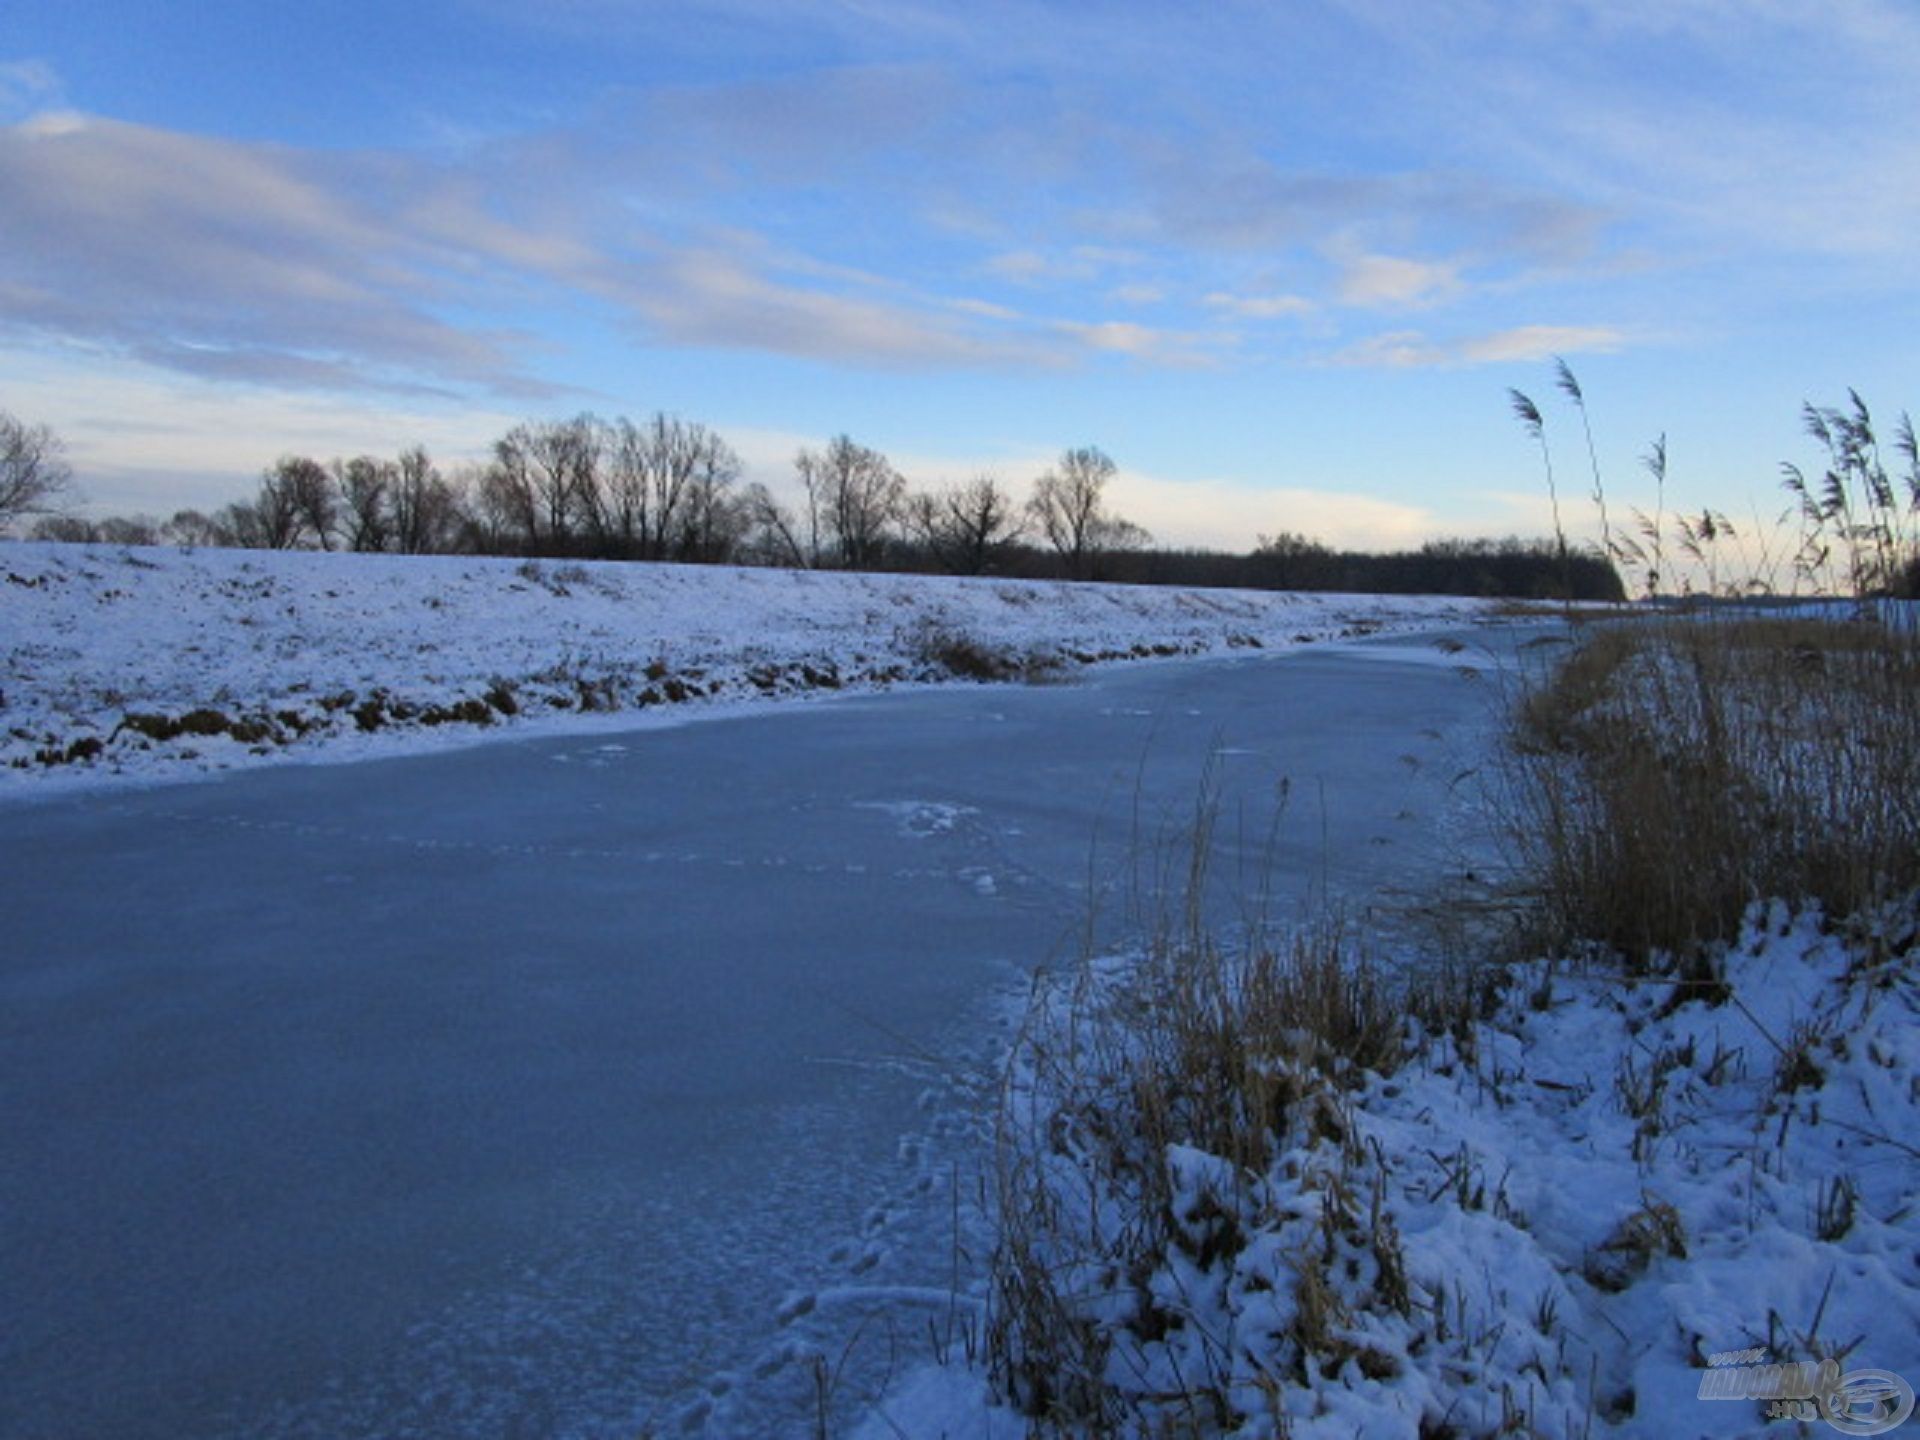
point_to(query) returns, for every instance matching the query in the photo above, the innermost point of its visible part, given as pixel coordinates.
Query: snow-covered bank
(1605, 1208)
(143, 663)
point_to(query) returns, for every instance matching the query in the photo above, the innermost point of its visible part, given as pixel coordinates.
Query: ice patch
(918, 819)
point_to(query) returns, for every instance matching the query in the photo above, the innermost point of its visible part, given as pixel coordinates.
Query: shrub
(957, 653)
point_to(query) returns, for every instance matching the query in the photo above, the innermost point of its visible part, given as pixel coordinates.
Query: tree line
(668, 489)
(1511, 567)
(662, 488)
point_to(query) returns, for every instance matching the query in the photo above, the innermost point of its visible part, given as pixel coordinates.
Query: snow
(309, 655)
(1598, 1196)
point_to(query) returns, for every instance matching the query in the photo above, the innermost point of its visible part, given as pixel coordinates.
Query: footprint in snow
(772, 1365)
(796, 1306)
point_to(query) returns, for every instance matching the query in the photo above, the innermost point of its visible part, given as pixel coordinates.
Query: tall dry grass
(1235, 1055)
(1860, 520)
(1672, 772)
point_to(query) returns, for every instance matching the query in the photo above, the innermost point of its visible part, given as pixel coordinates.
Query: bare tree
(191, 527)
(965, 526)
(661, 486)
(365, 486)
(424, 510)
(672, 456)
(297, 502)
(65, 530)
(108, 530)
(550, 469)
(500, 509)
(626, 497)
(244, 524)
(854, 498)
(1118, 534)
(773, 536)
(129, 530)
(1069, 508)
(708, 520)
(292, 495)
(34, 475)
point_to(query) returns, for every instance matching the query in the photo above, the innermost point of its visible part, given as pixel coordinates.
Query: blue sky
(1282, 261)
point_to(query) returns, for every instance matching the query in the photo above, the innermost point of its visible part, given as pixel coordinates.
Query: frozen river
(519, 1090)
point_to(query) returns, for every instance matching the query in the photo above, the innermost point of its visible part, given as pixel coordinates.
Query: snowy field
(150, 662)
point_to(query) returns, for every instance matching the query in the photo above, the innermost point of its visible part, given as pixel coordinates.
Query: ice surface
(479, 1094)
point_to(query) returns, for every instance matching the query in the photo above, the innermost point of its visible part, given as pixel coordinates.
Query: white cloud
(187, 247)
(147, 439)
(1541, 342)
(1412, 349)
(1394, 350)
(27, 86)
(1078, 263)
(705, 297)
(265, 263)
(1119, 335)
(1020, 266)
(1260, 307)
(1183, 349)
(1388, 281)
(1222, 516)
(1736, 128)
(986, 309)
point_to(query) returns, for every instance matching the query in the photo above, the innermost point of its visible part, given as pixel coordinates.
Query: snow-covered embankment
(146, 662)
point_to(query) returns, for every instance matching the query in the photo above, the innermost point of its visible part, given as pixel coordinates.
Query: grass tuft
(1162, 1096)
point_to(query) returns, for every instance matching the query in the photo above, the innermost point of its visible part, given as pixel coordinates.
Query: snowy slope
(143, 662)
(1595, 1204)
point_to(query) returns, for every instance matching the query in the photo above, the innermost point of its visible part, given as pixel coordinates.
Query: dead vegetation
(1670, 773)
(1154, 1106)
